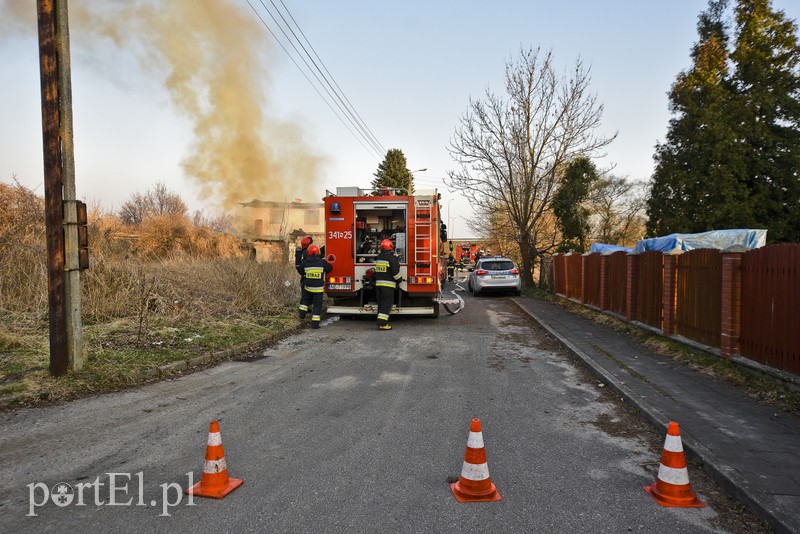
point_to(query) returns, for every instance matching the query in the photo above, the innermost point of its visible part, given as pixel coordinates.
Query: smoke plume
(212, 56)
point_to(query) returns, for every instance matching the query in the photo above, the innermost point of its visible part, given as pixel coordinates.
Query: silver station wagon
(495, 273)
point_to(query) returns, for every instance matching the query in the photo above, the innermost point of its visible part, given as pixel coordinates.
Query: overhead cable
(339, 89)
(372, 145)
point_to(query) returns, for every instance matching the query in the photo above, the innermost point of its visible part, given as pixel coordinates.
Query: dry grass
(23, 252)
(157, 292)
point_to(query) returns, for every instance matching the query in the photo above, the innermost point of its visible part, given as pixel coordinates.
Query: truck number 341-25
(348, 234)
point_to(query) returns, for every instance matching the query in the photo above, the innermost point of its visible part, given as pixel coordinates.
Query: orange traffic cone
(215, 482)
(475, 484)
(672, 485)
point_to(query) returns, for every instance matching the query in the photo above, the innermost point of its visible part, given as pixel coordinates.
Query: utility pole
(57, 144)
(74, 264)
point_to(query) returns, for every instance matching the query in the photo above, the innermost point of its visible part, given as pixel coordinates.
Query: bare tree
(157, 202)
(135, 209)
(513, 151)
(618, 206)
(165, 202)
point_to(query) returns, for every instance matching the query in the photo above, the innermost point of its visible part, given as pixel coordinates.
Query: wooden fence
(648, 284)
(770, 327)
(617, 282)
(698, 309)
(744, 303)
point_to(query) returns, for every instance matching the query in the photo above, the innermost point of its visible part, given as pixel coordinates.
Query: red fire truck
(356, 221)
(465, 251)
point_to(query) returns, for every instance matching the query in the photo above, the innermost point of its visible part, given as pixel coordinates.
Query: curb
(723, 474)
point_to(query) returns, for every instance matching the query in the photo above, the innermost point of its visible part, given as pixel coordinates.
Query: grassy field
(117, 356)
(162, 291)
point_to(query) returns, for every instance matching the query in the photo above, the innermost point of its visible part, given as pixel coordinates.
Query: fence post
(669, 296)
(604, 297)
(731, 295)
(584, 276)
(568, 282)
(631, 285)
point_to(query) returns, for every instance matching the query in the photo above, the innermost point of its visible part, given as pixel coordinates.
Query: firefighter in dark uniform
(387, 276)
(451, 267)
(313, 269)
(300, 254)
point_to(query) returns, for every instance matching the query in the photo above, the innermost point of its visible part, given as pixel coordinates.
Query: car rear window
(497, 265)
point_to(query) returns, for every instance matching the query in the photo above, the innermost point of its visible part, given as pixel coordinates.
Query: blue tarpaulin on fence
(603, 248)
(718, 239)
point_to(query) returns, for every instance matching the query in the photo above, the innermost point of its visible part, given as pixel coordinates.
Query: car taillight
(481, 272)
(514, 271)
(421, 280)
(339, 280)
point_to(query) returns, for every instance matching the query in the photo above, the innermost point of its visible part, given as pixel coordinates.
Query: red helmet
(306, 241)
(386, 244)
(313, 250)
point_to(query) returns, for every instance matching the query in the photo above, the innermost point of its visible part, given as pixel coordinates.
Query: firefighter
(387, 275)
(300, 254)
(314, 268)
(451, 267)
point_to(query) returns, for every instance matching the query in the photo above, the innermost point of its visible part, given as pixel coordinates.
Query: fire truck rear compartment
(357, 226)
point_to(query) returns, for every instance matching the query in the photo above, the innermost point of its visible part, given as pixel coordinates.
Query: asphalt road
(350, 429)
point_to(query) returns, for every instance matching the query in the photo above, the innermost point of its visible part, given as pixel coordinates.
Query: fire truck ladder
(423, 239)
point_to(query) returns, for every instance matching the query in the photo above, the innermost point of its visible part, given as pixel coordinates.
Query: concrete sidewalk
(750, 449)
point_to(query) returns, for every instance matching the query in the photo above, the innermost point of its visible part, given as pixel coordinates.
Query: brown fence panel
(593, 279)
(574, 281)
(698, 298)
(560, 274)
(770, 331)
(649, 288)
(617, 281)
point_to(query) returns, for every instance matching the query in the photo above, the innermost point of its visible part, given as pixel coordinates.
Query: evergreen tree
(569, 204)
(731, 158)
(697, 184)
(393, 171)
(767, 79)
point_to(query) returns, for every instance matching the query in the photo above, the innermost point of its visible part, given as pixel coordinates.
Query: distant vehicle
(495, 273)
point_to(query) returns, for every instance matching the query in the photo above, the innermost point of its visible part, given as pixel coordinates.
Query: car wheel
(476, 292)
(518, 292)
(469, 285)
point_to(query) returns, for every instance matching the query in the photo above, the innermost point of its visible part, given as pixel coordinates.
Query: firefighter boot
(386, 326)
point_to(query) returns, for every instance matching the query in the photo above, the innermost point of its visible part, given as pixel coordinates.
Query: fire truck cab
(356, 221)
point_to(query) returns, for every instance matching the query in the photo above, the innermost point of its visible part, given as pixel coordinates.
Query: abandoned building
(276, 228)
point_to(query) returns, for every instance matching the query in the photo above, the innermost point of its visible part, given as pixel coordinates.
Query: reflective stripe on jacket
(387, 269)
(314, 269)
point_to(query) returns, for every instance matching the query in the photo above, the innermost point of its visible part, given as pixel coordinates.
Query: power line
(361, 120)
(374, 146)
(306, 76)
(292, 40)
